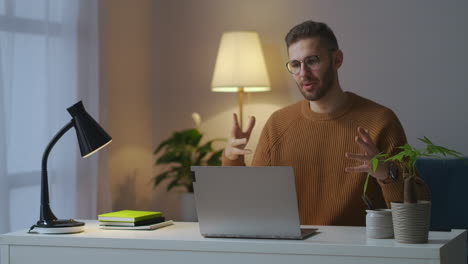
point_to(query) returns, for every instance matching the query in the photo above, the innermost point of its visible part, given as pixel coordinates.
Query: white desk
(182, 243)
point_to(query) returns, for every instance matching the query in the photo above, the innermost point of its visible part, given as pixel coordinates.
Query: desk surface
(349, 241)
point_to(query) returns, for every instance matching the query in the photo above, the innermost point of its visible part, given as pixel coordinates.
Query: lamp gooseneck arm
(46, 215)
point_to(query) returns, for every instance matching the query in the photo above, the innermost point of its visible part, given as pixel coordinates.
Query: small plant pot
(187, 207)
(411, 221)
(379, 223)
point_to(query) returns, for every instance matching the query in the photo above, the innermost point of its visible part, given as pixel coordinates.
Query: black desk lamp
(91, 138)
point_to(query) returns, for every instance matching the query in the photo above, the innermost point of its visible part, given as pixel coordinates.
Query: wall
(127, 48)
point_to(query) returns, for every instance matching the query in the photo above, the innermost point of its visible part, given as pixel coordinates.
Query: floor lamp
(240, 66)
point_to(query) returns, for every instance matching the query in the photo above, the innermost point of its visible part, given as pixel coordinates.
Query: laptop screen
(246, 201)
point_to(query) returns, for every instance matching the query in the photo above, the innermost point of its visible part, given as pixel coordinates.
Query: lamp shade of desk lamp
(240, 66)
(91, 138)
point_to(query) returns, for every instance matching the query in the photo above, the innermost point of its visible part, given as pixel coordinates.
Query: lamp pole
(241, 105)
(46, 215)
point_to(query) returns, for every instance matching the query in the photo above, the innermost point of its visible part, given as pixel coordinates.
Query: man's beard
(323, 89)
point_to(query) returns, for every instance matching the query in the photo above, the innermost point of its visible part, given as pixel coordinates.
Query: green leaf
(182, 150)
(408, 155)
(206, 147)
(375, 160)
(406, 147)
(202, 152)
(164, 143)
(397, 157)
(169, 157)
(173, 184)
(190, 137)
(426, 140)
(439, 151)
(161, 177)
(375, 163)
(215, 159)
(456, 154)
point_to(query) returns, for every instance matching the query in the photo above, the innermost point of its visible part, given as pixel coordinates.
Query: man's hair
(312, 29)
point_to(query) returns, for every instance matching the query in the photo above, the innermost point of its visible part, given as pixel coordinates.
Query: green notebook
(128, 216)
(145, 227)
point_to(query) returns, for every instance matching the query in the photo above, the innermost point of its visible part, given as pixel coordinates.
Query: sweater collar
(309, 114)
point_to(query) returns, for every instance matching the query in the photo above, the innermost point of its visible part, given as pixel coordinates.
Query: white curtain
(49, 61)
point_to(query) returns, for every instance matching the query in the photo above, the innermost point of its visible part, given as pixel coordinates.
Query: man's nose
(305, 70)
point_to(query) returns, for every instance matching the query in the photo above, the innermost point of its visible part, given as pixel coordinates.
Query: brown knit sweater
(315, 144)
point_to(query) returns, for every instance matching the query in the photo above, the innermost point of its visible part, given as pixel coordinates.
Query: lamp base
(68, 226)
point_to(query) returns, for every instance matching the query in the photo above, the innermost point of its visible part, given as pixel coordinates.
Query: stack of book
(130, 219)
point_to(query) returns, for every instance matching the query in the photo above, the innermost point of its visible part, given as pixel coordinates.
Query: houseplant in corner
(411, 218)
(179, 152)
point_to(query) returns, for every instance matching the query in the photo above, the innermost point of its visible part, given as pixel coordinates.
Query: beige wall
(127, 48)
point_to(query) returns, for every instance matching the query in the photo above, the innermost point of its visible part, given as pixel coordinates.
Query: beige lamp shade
(240, 64)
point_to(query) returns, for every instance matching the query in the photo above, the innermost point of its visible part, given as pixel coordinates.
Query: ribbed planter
(411, 221)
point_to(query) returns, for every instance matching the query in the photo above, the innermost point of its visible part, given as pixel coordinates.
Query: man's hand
(239, 139)
(370, 150)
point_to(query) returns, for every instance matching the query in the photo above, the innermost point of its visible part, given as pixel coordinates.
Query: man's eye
(295, 64)
(310, 61)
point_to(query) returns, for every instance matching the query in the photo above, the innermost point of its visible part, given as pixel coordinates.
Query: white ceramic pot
(379, 223)
(411, 221)
(188, 212)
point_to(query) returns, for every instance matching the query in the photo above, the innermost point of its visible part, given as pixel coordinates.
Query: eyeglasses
(312, 62)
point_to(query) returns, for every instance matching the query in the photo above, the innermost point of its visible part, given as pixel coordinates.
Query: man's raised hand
(239, 139)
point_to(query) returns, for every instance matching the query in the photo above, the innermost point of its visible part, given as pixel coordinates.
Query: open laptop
(247, 202)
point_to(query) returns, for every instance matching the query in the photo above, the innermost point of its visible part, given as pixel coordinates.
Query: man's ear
(337, 59)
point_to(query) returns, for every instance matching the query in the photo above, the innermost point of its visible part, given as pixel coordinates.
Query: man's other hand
(370, 150)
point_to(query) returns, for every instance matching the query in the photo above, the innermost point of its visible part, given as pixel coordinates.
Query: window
(39, 78)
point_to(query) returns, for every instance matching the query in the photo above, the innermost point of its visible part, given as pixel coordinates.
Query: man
(328, 138)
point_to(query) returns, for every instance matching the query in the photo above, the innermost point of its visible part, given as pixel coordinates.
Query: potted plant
(411, 217)
(177, 154)
(181, 151)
